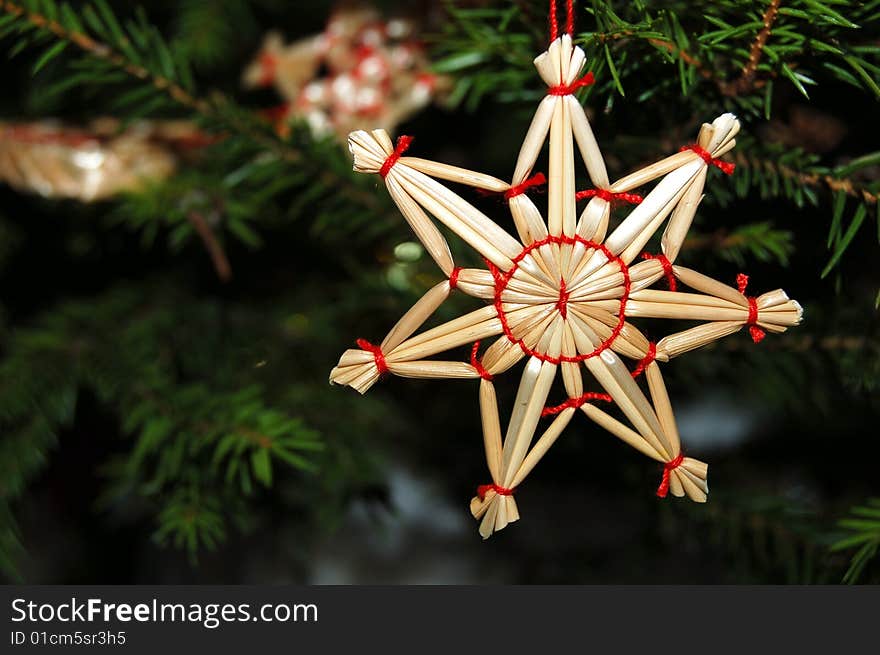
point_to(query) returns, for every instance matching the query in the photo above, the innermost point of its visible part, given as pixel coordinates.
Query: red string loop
(475, 362)
(403, 143)
(535, 180)
(668, 273)
(668, 467)
(757, 334)
(725, 167)
(483, 489)
(453, 278)
(378, 355)
(554, 20)
(568, 89)
(609, 196)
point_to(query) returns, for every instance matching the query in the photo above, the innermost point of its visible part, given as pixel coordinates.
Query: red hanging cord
(554, 20)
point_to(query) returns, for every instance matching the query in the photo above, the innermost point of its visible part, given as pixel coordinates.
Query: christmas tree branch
(862, 528)
(753, 240)
(815, 179)
(746, 80)
(102, 51)
(601, 38)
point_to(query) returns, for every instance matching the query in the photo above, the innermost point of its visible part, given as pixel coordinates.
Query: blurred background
(185, 253)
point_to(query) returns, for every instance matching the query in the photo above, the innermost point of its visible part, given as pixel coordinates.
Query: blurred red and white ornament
(361, 71)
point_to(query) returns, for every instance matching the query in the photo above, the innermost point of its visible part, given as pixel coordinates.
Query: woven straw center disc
(564, 297)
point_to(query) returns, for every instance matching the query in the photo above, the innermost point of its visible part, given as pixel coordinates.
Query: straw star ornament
(561, 295)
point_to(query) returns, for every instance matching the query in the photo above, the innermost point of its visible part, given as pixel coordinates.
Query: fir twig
(106, 53)
(746, 80)
(817, 180)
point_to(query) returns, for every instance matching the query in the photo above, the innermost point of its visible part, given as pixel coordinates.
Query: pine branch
(753, 240)
(140, 355)
(746, 81)
(104, 52)
(705, 40)
(863, 524)
(796, 177)
(812, 178)
(666, 45)
(770, 534)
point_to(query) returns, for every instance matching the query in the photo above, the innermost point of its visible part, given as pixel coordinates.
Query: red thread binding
(646, 360)
(569, 21)
(592, 395)
(609, 196)
(725, 167)
(668, 467)
(483, 489)
(568, 89)
(535, 180)
(453, 278)
(477, 365)
(562, 303)
(378, 355)
(503, 278)
(742, 281)
(403, 143)
(667, 268)
(583, 399)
